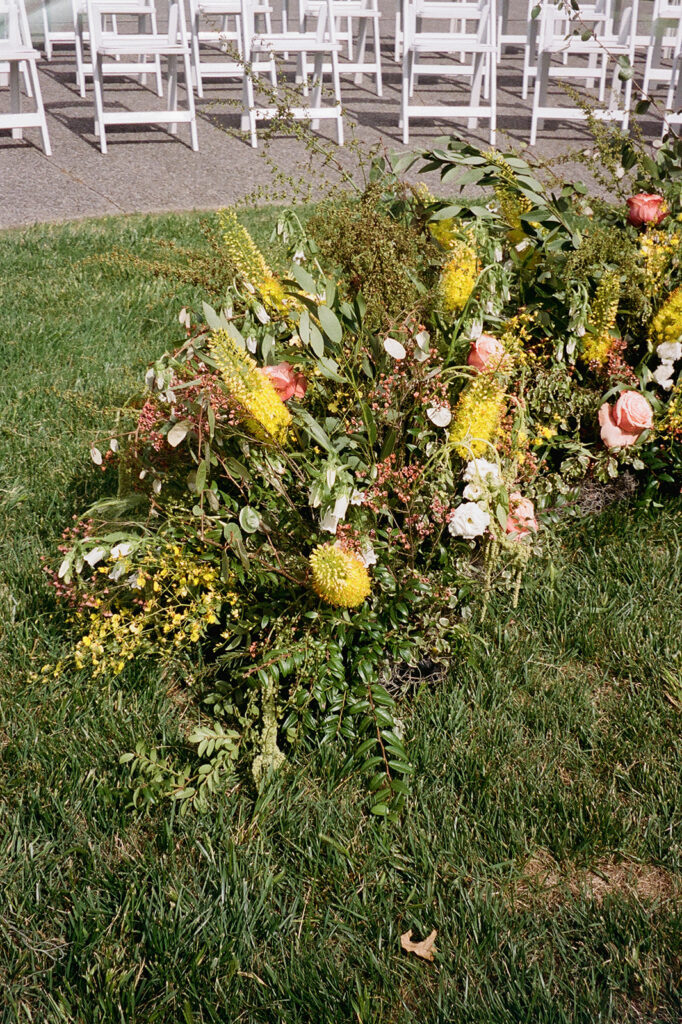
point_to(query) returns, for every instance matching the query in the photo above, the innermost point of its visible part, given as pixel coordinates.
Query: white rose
(669, 351)
(472, 492)
(468, 520)
(481, 470)
(663, 375)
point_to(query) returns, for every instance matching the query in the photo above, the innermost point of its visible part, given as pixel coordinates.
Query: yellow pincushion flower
(477, 416)
(667, 324)
(458, 277)
(250, 386)
(339, 577)
(249, 261)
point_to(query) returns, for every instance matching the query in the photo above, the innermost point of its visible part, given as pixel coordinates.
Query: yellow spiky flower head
(249, 261)
(477, 416)
(667, 324)
(250, 387)
(458, 277)
(339, 577)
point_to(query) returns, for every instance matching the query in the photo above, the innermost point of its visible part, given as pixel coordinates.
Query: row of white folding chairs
(360, 17)
(113, 48)
(19, 58)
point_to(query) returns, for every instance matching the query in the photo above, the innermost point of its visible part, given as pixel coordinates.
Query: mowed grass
(542, 840)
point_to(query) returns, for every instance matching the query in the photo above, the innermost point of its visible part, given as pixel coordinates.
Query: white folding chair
(553, 41)
(599, 17)
(145, 12)
(18, 55)
(471, 33)
(664, 43)
(321, 42)
(173, 45)
(53, 36)
(222, 38)
(346, 12)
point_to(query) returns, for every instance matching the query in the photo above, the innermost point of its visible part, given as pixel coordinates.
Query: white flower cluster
(669, 352)
(470, 519)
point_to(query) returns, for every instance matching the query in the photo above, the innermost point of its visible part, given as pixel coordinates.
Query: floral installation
(312, 490)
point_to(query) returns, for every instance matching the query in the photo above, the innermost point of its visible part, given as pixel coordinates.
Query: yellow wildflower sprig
(667, 324)
(597, 343)
(251, 388)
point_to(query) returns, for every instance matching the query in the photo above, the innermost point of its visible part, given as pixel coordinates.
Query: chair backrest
(100, 10)
(475, 22)
(14, 30)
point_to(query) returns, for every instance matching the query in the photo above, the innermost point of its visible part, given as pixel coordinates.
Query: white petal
(95, 555)
(341, 507)
(394, 348)
(331, 475)
(439, 415)
(422, 340)
(329, 522)
(96, 456)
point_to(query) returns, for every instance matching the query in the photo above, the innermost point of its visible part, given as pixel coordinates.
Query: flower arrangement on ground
(322, 479)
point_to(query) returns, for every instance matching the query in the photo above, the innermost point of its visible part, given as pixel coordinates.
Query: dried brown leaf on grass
(424, 949)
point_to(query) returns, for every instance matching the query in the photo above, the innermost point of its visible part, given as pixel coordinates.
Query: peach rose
(646, 208)
(632, 412)
(622, 424)
(486, 353)
(286, 381)
(521, 519)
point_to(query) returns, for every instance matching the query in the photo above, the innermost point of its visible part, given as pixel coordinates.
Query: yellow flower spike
(458, 277)
(252, 389)
(249, 261)
(339, 577)
(477, 416)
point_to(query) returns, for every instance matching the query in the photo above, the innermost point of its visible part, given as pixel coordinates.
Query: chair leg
(362, 46)
(196, 56)
(405, 96)
(15, 96)
(40, 109)
(249, 114)
(476, 85)
(46, 33)
(316, 98)
(157, 59)
(539, 94)
(377, 55)
(173, 91)
(97, 79)
(190, 104)
(78, 32)
(336, 82)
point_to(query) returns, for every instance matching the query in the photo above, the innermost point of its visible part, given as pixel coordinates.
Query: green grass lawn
(542, 839)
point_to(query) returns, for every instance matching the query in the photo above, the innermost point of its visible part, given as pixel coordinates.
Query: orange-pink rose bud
(646, 208)
(286, 381)
(486, 353)
(521, 519)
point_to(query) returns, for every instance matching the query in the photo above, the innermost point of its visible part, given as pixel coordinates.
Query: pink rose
(646, 208)
(521, 519)
(286, 381)
(622, 424)
(486, 353)
(632, 412)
